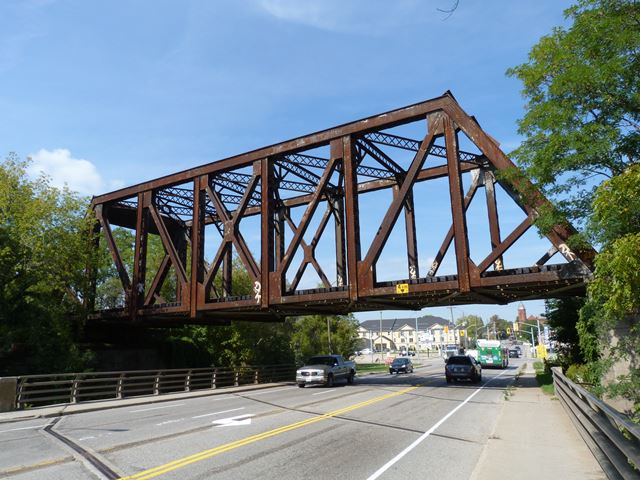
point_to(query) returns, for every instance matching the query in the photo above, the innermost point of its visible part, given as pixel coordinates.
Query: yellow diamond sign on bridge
(402, 288)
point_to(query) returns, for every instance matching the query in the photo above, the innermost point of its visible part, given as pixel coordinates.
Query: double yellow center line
(183, 462)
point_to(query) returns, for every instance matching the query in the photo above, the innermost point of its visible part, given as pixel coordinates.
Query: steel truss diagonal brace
(309, 250)
(365, 268)
(167, 243)
(473, 188)
(113, 249)
(306, 217)
(231, 232)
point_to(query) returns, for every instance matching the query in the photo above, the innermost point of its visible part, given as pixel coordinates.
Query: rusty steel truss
(324, 175)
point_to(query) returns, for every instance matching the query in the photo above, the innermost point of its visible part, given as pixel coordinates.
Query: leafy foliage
(44, 250)
(311, 335)
(582, 126)
(473, 325)
(562, 316)
(582, 86)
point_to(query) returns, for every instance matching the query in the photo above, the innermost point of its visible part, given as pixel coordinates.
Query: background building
(416, 334)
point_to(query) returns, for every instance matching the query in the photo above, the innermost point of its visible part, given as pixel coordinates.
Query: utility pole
(416, 344)
(381, 357)
(329, 335)
(533, 342)
(371, 343)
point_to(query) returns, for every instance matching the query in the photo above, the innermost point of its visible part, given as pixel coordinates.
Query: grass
(545, 379)
(371, 367)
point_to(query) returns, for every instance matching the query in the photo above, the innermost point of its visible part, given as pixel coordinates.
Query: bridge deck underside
(192, 261)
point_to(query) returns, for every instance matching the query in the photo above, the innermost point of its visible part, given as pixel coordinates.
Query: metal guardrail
(612, 438)
(40, 390)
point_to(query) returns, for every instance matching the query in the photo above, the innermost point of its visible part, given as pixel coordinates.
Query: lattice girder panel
(324, 175)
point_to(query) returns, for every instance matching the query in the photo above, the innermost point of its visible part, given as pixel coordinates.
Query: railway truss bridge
(402, 210)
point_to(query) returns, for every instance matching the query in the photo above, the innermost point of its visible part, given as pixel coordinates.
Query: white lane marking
(270, 391)
(422, 437)
(85, 438)
(168, 422)
(234, 421)
(322, 393)
(23, 428)
(218, 413)
(157, 408)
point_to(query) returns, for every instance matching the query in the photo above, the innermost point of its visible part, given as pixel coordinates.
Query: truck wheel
(448, 380)
(301, 385)
(330, 380)
(350, 378)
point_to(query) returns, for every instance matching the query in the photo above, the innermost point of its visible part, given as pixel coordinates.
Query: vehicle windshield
(399, 361)
(459, 361)
(321, 361)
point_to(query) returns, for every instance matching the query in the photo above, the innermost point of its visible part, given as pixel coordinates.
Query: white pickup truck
(325, 370)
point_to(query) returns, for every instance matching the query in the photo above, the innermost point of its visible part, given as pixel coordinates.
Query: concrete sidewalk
(534, 438)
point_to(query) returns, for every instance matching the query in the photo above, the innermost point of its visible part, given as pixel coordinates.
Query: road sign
(463, 333)
(446, 329)
(402, 288)
(515, 326)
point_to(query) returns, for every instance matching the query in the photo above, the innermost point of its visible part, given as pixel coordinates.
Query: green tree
(472, 323)
(311, 335)
(614, 294)
(44, 250)
(500, 327)
(562, 316)
(582, 126)
(582, 86)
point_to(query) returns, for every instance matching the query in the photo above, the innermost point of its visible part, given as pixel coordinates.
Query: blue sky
(107, 94)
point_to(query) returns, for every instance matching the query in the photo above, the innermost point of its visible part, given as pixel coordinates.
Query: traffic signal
(446, 329)
(515, 326)
(508, 331)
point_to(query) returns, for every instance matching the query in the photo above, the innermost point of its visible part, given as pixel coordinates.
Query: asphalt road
(407, 426)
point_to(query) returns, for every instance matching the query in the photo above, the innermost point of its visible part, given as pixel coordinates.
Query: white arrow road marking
(218, 413)
(233, 421)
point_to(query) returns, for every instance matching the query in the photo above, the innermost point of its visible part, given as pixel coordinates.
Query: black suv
(463, 366)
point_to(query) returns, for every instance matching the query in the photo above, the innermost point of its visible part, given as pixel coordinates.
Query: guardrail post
(156, 384)
(8, 390)
(20, 393)
(119, 386)
(236, 382)
(256, 377)
(74, 389)
(187, 382)
(213, 379)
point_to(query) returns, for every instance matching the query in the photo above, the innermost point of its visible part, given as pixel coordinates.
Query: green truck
(492, 354)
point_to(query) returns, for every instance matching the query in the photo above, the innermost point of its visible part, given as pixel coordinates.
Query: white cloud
(76, 173)
(356, 16)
